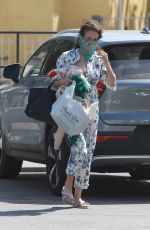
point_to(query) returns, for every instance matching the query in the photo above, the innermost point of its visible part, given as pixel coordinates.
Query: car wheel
(57, 162)
(141, 173)
(9, 166)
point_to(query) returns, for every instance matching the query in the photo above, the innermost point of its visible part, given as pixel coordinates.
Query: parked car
(123, 140)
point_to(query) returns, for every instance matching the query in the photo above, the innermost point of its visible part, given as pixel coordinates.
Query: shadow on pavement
(32, 212)
(117, 189)
(104, 190)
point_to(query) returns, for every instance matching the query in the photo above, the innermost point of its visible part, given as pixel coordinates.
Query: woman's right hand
(63, 82)
(66, 80)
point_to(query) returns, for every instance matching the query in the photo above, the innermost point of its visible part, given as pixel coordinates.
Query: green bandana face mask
(87, 47)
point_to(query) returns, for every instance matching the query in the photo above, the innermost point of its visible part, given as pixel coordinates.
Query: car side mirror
(12, 72)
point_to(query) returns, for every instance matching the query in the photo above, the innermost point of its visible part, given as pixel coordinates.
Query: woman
(95, 66)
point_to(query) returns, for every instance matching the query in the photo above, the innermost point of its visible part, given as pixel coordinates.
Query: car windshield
(131, 61)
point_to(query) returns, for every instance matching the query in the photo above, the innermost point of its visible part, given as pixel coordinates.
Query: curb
(33, 167)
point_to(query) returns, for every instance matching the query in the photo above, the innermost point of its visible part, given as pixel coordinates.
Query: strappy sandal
(67, 197)
(81, 204)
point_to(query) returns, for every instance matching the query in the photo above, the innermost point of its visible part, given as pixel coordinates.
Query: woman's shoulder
(71, 52)
(72, 55)
(68, 57)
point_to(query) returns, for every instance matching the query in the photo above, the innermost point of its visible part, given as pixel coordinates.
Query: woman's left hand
(103, 55)
(111, 77)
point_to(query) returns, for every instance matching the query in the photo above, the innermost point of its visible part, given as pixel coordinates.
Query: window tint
(62, 46)
(130, 61)
(34, 65)
(128, 52)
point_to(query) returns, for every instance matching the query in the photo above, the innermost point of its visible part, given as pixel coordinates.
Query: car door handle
(142, 92)
(25, 92)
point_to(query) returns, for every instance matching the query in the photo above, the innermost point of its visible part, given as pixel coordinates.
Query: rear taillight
(101, 88)
(105, 138)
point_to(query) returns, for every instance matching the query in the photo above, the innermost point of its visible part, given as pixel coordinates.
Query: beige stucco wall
(74, 12)
(26, 15)
(53, 15)
(49, 14)
(29, 14)
(133, 10)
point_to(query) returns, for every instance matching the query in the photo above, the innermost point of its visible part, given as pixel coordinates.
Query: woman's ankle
(68, 188)
(69, 184)
(77, 198)
(78, 193)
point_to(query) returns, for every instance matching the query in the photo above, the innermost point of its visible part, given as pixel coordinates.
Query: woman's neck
(82, 61)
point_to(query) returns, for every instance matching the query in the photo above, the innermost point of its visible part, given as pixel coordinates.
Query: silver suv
(123, 140)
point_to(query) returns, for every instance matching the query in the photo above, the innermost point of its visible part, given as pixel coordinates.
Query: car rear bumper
(119, 161)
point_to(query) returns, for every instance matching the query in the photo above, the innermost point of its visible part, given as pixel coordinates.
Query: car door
(129, 104)
(25, 136)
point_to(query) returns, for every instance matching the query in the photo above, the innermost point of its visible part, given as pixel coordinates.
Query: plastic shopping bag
(70, 114)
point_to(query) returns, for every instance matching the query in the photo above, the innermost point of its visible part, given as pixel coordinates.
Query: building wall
(74, 12)
(29, 14)
(48, 14)
(53, 15)
(132, 15)
(137, 9)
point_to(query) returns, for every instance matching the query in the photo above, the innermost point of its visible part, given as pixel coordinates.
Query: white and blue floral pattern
(81, 153)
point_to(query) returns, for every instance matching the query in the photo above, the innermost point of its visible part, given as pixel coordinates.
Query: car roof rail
(145, 30)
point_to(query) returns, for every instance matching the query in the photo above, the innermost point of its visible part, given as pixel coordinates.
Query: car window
(130, 61)
(33, 66)
(62, 46)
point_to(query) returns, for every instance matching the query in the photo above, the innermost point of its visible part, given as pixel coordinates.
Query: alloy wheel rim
(54, 176)
(55, 157)
(0, 148)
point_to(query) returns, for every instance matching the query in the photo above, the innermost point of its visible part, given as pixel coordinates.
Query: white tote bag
(70, 114)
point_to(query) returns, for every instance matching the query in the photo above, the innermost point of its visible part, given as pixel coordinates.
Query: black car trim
(103, 160)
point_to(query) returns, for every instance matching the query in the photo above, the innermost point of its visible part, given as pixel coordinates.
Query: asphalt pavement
(117, 203)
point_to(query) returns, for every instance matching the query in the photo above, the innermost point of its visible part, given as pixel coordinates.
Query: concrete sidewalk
(33, 167)
(4, 81)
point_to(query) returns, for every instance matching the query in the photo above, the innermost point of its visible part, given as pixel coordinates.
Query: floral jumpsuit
(79, 162)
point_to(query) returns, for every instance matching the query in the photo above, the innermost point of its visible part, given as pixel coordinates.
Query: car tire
(9, 166)
(140, 173)
(56, 162)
